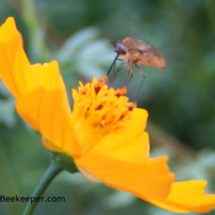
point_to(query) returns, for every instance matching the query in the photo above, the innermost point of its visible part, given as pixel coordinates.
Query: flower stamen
(99, 85)
(121, 92)
(100, 110)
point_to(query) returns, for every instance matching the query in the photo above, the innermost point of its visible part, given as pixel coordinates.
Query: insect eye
(120, 48)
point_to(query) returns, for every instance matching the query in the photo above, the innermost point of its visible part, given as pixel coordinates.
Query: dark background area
(180, 99)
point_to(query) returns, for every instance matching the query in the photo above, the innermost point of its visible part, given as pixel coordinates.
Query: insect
(134, 52)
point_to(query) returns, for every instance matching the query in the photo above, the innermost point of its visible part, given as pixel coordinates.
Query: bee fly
(134, 52)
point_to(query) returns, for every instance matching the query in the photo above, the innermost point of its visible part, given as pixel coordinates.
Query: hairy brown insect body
(135, 52)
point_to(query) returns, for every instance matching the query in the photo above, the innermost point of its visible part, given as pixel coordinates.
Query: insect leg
(129, 76)
(113, 64)
(141, 72)
(118, 70)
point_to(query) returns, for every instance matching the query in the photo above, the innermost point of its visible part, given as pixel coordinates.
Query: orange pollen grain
(83, 91)
(101, 106)
(98, 86)
(123, 115)
(104, 79)
(121, 92)
(131, 108)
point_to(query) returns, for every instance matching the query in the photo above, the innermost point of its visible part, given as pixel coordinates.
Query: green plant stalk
(50, 174)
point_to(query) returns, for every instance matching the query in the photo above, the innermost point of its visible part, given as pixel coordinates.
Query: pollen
(102, 106)
(121, 92)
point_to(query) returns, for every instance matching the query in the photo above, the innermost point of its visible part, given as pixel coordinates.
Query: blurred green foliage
(180, 99)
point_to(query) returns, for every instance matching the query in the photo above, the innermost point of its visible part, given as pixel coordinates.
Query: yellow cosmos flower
(104, 133)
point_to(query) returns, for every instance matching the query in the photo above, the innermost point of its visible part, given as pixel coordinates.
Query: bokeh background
(180, 99)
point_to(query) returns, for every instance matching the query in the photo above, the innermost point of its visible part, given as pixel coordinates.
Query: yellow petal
(18, 76)
(8, 31)
(48, 75)
(132, 144)
(146, 179)
(137, 151)
(187, 196)
(10, 40)
(10, 43)
(45, 112)
(15, 68)
(23, 78)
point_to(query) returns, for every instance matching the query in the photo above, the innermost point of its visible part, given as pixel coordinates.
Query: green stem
(50, 174)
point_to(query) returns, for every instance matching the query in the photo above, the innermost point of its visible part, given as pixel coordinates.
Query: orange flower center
(100, 110)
